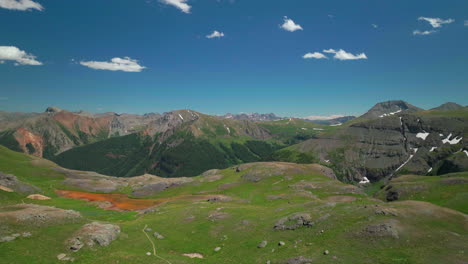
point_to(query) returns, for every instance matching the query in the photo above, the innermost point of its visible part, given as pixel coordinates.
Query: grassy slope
(188, 229)
(447, 190)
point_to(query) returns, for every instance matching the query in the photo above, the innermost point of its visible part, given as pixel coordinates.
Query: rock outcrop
(93, 234)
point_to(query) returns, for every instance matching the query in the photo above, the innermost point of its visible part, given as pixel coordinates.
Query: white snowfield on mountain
(390, 114)
(364, 181)
(423, 135)
(410, 157)
(453, 141)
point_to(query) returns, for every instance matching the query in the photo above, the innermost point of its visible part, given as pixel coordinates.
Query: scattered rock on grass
(381, 230)
(298, 260)
(92, 234)
(38, 197)
(294, 221)
(193, 255)
(38, 215)
(158, 236)
(64, 257)
(217, 216)
(281, 243)
(217, 249)
(262, 244)
(7, 238)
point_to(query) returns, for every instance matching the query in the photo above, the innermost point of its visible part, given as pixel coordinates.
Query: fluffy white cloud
(343, 55)
(19, 56)
(215, 34)
(424, 33)
(22, 5)
(116, 64)
(315, 55)
(290, 26)
(436, 22)
(181, 4)
(374, 25)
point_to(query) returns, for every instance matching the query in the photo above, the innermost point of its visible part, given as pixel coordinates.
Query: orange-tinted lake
(121, 201)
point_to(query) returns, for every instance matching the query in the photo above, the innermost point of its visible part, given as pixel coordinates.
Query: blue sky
(257, 66)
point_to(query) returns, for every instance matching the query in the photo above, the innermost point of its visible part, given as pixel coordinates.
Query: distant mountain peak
(448, 106)
(252, 116)
(390, 108)
(53, 109)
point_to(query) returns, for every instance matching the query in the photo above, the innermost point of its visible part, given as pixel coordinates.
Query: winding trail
(152, 244)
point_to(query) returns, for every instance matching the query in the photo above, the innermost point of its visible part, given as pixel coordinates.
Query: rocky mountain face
(56, 130)
(179, 143)
(253, 117)
(424, 143)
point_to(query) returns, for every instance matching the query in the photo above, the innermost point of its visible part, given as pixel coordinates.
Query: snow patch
(318, 129)
(429, 170)
(228, 130)
(453, 141)
(304, 128)
(337, 124)
(410, 157)
(466, 152)
(432, 149)
(364, 181)
(401, 122)
(328, 161)
(422, 136)
(441, 135)
(181, 117)
(390, 114)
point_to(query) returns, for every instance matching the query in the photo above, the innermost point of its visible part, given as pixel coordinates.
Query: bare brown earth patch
(6, 189)
(25, 137)
(121, 202)
(38, 197)
(145, 185)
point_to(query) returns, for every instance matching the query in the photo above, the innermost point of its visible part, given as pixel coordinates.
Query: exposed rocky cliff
(54, 131)
(421, 143)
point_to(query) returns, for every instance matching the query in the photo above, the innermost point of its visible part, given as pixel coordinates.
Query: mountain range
(391, 137)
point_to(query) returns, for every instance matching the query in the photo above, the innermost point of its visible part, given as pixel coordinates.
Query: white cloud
(323, 117)
(22, 5)
(19, 56)
(424, 33)
(436, 22)
(343, 55)
(116, 64)
(181, 4)
(315, 55)
(215, 34)
(290, 26)
(374, 25)
(466, 23)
